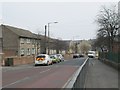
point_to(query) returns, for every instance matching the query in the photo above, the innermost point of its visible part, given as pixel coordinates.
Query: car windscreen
(52, 57)
(90, 53)
(40, 56)
(58, 55)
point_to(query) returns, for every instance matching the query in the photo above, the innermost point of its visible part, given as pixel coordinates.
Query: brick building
(119, 28)
(119, 20)
(19, 42)
(0, 40)
(116, 46)
(22, 45)
(18, 46)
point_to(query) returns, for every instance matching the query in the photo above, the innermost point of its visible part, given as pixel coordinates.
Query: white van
(43, 59)
(91, 54)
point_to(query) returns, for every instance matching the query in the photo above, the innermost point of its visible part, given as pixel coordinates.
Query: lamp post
(49, 35)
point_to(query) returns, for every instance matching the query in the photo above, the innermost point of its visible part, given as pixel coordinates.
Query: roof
(42, 55)
(21, 32)
(27, 34)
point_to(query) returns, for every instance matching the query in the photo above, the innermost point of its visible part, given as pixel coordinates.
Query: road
(29, 76)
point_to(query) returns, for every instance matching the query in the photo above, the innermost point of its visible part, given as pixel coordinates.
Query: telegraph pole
(48, 39)
(45, 39)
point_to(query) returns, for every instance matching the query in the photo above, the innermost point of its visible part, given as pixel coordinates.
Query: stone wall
(18, 60)
(68, 56)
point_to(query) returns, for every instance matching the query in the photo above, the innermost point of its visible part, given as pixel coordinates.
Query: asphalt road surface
(29, 76)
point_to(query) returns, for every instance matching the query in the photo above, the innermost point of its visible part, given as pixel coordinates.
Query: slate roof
(26, 33)
(21, 32)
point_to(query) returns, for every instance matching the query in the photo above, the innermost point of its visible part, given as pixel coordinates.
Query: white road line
(44, 71)
(16, 82)
(6, 69)
(24, 79)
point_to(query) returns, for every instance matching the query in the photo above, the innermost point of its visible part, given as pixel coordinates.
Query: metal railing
(111, 56)
(78, 78)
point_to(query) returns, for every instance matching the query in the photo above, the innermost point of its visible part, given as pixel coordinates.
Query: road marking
(6, 69)
(45, 71)
(18, 81)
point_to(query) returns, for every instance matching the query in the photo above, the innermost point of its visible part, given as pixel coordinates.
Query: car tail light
(42, 59)
(38, 59)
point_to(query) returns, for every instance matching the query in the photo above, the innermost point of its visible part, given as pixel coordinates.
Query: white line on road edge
(24, 79)
(72, 79)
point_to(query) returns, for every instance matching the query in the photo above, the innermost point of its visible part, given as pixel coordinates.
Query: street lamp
(49, 34)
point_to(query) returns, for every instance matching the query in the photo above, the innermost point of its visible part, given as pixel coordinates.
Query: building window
(33, 50)
(28, 40)
(22, 51)
(22, 40)
(33, 42)
(28, 51)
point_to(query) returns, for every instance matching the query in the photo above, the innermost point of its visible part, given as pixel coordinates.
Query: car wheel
(51, 63)
(48, 63)
(35, 64)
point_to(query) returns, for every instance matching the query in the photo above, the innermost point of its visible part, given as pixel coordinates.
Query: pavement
(17, 67)
(100, 75)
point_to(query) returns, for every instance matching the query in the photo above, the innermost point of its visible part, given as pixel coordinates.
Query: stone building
(0, 40)
(119, 15)
(19, 42)
(19, 46)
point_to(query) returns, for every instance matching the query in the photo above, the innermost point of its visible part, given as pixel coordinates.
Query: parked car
(78, 55)
(43, 59)
(75, 55)
(61, 58)
(91, 54)
(54, 58)
(81, 55)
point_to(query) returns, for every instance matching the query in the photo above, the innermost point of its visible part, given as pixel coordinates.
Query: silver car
(61, 58)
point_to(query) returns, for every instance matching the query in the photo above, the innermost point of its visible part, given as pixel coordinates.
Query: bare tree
(71, 47)
(61, 46)
(84, 46)
(108, 20)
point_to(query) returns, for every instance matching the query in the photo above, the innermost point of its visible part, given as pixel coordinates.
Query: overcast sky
(76, 20)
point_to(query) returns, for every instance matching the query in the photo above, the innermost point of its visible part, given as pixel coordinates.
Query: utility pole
(45, 39)
(48, 39)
